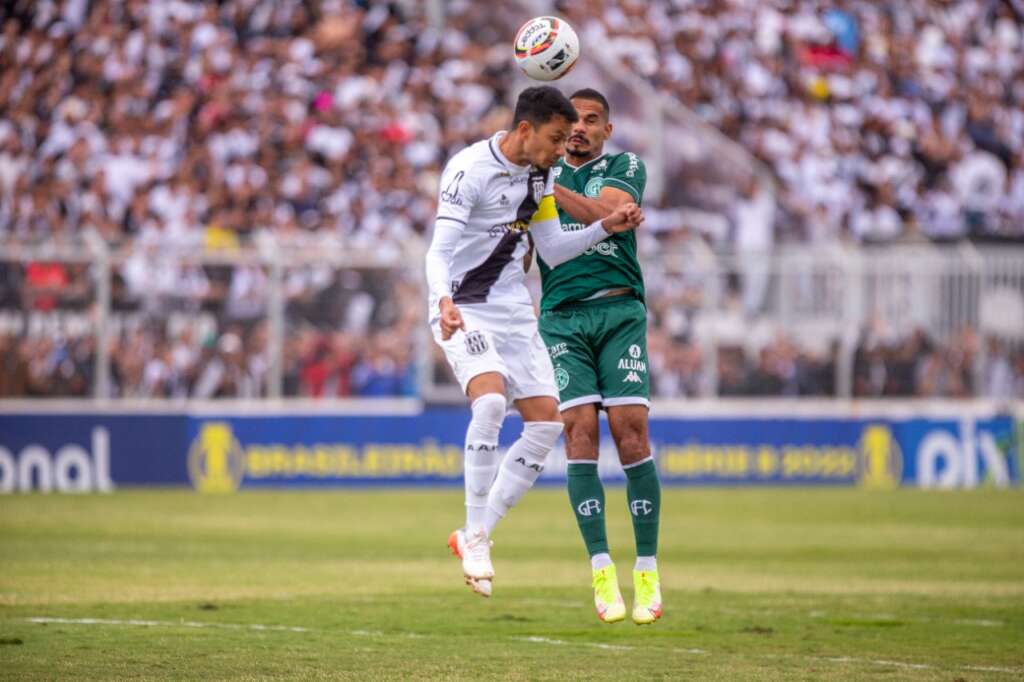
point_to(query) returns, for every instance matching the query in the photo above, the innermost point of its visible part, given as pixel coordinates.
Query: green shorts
(599, 351)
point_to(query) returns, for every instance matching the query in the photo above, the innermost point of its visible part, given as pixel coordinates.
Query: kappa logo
(450, 194)
(641, 507)
(589, 507)
(632, 378)
(601, 165)
(634, 351)
(530, 465)
(476, 343)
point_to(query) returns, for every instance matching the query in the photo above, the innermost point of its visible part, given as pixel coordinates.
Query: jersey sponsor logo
(450, 194)
(573, 227)
(632, 378)
(593, 187)
(589, 507)
(634, 165)
(476, 343)
(605, 248)
(641, 507)
(514, 180)
(505, 228)
(561, 378)
(558, 350)
(634, 351)
(632, 365)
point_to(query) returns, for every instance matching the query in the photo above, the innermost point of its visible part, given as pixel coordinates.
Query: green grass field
(759, 584)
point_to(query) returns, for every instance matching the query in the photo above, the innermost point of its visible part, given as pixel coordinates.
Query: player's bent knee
(543, 434)
(632, 447)
(490, 408)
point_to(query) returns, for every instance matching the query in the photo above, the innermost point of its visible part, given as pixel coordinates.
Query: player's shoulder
(475, 159)
(626, 162)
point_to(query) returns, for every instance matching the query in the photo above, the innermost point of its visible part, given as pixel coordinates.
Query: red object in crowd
(826, 57)
(45, 280)
(396, 133)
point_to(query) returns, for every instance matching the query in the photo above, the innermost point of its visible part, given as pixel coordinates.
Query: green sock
(644, 494)
(586, 494)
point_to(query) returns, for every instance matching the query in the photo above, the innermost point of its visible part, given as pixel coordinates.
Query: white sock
(600, 560)
(645, 563)
(520, 469)
(481, 454)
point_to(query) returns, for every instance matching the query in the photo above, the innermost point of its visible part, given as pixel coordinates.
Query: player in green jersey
(594, 322)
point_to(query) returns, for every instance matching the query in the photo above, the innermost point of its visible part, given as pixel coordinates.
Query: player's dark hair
(540, 104)
(594, 96)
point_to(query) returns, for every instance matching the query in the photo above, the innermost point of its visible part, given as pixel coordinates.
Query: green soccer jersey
(611, 264)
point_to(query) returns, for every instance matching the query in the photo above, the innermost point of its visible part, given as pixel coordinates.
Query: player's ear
(523, 127)
(608, 129)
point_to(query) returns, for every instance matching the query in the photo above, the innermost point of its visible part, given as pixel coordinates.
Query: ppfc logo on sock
(641, 507)
(588, 507)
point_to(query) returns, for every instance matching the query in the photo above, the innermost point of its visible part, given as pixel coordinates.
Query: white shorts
(503, 339)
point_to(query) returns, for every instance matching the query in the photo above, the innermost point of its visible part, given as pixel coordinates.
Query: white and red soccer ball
(546, 48)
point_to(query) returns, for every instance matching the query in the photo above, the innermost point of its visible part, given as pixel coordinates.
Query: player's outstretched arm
(586, 209)
(557, 246)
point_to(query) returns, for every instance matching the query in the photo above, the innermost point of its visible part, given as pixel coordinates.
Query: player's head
(542, 120)
(592, 128)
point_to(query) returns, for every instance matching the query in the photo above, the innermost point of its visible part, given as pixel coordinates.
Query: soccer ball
(546, 48)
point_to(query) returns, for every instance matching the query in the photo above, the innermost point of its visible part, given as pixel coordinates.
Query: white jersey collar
(502, 159)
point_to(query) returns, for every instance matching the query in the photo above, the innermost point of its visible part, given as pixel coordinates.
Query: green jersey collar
(586, 163)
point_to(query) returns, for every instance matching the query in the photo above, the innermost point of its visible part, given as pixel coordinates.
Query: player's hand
(451, 318)
(625, 217)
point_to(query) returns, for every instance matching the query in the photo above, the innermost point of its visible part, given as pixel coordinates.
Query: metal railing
(829, 302)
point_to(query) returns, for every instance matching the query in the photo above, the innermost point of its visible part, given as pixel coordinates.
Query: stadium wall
(220, 448)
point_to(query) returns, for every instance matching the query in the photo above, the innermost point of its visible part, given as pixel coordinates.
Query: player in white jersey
(496, 196)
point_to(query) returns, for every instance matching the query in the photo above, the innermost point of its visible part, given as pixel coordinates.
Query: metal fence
(320, 321)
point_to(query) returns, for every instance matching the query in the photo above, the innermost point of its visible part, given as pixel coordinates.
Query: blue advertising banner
(216, 452)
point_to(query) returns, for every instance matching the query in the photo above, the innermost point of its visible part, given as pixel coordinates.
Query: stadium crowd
(880, 121)
(179, 125)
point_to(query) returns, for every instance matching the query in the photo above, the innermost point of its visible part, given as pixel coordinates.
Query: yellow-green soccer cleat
(607, 598)
(647, 597)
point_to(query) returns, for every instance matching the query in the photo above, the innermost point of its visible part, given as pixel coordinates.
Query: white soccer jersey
(492, 200)
(486, 207)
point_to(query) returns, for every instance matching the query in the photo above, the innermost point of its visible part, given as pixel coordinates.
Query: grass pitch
(758, 584)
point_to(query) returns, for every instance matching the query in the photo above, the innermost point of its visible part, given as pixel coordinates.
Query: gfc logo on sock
(588, 507)
(641, 507)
